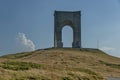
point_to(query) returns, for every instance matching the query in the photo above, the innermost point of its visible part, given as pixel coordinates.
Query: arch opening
(67, 36)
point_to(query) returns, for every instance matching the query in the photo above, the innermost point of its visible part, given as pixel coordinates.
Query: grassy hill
(59, 64)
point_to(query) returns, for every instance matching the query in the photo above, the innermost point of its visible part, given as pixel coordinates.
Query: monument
(72, 19)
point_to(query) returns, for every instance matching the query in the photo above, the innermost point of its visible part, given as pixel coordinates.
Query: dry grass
(61, 64)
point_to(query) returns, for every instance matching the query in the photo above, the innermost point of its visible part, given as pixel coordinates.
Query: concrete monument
(72, 19)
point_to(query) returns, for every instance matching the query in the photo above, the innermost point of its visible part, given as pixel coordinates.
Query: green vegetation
(91, 74)
(16, 65)
(17, 55)
(31, 78)
(74, 76)
(59, 64)
(110, 64)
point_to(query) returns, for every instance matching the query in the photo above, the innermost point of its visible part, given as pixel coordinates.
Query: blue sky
(27, 25)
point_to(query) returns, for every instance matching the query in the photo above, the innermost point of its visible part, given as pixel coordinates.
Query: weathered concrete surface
(63, 18)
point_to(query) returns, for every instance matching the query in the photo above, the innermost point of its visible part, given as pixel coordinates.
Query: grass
(110, 64)
(17, 55)
(66, 78)
(16, 65)
(76, 76)
(31, 78)
(59, 64)
(91, 74)
(86, 71)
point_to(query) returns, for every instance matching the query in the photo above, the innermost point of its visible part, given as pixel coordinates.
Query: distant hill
(59, 64)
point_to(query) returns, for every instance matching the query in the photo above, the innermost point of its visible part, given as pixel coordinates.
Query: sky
(27, 25)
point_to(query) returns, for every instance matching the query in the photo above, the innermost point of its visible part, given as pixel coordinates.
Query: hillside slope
(59, 64)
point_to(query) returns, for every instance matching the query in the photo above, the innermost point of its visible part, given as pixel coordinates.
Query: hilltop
(59, 64)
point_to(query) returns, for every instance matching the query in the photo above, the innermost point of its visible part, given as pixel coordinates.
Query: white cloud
(107, 49)
(24, 44)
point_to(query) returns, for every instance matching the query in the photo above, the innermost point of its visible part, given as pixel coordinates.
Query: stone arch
(67, 22)
(72, 19)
